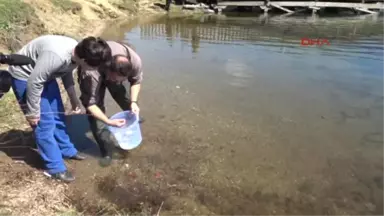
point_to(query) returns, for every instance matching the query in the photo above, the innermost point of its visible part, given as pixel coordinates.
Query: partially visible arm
(135, 90)
(91, 85)
(16, 59)
(135, 82)
(97, 113)
(69, 85)
(47, 64)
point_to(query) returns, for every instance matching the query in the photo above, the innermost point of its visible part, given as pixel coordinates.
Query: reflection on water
(276, 32)
(244, 120)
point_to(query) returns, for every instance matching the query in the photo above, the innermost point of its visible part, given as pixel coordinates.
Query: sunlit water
(242, 119)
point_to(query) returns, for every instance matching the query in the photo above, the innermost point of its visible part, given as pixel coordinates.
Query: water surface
(242, 119)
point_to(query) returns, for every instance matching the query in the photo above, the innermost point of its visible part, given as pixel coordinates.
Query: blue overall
(51, 134)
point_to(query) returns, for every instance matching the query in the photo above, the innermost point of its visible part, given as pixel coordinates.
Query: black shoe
(78, 156)
(105, 161)
(65, 176)
(141, 119)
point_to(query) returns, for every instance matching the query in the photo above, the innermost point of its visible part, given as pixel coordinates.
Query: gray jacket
(52, 56)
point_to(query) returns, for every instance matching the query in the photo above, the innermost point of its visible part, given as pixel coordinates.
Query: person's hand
(76, 111)
(33, 121)
(116, 122)
(135, 108)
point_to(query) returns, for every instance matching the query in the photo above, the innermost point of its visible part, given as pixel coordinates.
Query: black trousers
(104, 138)
(167, 4)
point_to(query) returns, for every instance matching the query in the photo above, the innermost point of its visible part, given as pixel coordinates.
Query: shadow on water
(78, 128)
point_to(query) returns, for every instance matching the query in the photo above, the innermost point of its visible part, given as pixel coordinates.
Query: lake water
(243, 119)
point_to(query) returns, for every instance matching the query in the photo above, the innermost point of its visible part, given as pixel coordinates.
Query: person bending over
(122, 76)
(38, 93)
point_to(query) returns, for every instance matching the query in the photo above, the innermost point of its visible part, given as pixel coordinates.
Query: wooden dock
(290, 6)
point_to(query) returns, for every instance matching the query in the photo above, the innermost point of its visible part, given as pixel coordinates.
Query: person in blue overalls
(38, 93)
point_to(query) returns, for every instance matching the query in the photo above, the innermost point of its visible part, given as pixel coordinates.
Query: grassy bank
(22, 20)
(17, 20)
(23, 189)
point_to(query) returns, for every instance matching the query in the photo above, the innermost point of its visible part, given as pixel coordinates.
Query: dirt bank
(22, 20)
(23, 188)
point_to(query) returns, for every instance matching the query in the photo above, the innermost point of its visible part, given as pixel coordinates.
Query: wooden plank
(245, 3)
(281, 8)
(365, 10)
(330, 4)
(305, 4)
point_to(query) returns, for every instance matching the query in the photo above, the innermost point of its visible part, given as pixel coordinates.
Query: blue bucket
(129, 135)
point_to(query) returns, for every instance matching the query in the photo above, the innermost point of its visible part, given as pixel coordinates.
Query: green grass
(14, 12)
(10, 113)
(17, 19)
(67, 5)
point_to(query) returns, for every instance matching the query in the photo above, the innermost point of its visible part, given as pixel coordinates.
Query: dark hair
(122, 68)
(94, 51)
